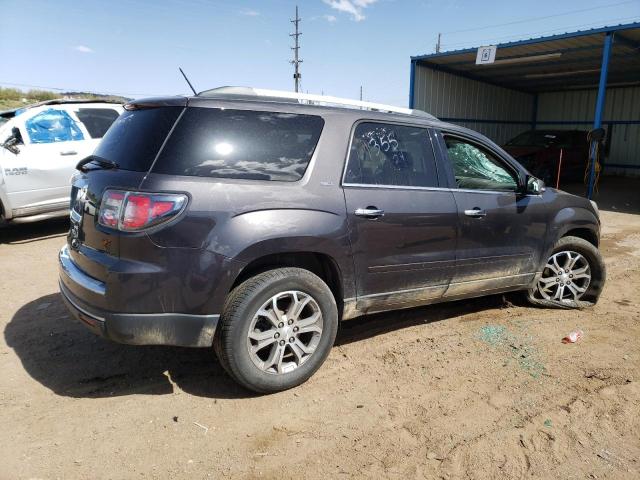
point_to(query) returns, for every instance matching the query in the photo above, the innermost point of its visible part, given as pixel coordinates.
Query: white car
(40, 146)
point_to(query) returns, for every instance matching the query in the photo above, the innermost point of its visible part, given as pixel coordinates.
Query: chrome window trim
(427, 130)
(393, 187)
(437, 189)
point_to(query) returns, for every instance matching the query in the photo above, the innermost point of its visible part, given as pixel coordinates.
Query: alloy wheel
(566, 277)
(284, 332)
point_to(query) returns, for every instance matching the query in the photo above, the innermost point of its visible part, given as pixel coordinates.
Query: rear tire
(573, 276)
(277, 329)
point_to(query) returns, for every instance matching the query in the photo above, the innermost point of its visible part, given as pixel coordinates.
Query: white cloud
(330, 18)
(82, 49)
(355, 8)
(250, 13)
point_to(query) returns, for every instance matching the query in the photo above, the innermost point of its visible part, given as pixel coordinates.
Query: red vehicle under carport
(539, 152)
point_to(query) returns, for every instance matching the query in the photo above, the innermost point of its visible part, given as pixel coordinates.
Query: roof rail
(310, 99)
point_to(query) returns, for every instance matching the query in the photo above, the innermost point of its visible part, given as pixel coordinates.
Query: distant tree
(41, 95)
(11, 94)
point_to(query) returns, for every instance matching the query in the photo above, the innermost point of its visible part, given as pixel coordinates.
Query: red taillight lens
(135, 211)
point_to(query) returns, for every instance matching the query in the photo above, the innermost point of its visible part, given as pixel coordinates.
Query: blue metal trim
(602, 91)
(561, 36)
(412, 80)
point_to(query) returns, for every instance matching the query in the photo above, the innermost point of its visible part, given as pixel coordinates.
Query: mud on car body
(255, 222)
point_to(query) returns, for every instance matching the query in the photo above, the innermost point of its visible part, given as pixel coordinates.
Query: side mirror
(12, 142)
(534, 186)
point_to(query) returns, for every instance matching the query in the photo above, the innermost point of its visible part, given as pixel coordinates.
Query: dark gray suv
(255, 223)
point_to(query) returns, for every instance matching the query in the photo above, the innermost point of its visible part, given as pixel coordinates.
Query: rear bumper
(131, 328)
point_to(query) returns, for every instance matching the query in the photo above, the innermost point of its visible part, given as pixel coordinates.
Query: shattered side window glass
(477, 169)
(52, 126)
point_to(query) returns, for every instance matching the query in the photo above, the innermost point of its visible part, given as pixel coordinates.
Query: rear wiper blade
(100, 161)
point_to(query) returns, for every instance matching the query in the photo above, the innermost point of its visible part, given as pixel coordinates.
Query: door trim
(476, 287)
(412, 266)
(399, 299)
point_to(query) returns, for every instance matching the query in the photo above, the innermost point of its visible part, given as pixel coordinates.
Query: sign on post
(486, 55)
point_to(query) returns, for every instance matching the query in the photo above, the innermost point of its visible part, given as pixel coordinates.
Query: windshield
(540, 138)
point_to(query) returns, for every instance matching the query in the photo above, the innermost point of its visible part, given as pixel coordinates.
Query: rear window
(240, 144)
(97, 120)
(136, 136)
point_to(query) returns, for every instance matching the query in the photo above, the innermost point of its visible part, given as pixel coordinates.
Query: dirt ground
(477, 389)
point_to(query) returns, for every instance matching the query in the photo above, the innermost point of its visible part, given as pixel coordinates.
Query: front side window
(391, 155)
(240, 144)
(51, 126)
(97, 120)
(476, 168)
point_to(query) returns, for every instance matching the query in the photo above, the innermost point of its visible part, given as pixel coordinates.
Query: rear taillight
(135, 211)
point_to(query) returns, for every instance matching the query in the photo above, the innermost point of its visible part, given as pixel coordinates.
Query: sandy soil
(475, 389)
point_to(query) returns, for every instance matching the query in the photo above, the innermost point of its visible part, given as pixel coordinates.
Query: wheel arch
(585, 234)
(578, 222)
(321, 264)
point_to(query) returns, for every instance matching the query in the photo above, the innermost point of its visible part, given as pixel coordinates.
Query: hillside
(13, 98)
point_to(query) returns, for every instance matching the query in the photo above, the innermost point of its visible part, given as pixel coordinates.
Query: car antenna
(185, 77)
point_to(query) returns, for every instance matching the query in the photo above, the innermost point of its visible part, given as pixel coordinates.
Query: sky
(134, 47)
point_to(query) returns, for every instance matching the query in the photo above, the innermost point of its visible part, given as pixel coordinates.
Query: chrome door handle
(68, 152)
(475, 213)
(369, 212)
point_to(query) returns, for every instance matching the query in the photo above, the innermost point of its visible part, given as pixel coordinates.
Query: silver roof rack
(311, 99)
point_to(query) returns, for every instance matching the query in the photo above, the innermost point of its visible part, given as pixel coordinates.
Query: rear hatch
(123, 158)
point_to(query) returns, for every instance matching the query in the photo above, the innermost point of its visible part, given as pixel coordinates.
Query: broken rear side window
(240, 144)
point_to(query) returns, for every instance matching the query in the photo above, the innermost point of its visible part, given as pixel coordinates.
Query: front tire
(572, 277)
(277, 329)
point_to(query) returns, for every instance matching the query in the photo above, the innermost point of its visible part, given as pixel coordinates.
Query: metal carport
(584, 79)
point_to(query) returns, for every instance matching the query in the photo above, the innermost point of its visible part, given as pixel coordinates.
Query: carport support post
(412, 82)
(602, 91)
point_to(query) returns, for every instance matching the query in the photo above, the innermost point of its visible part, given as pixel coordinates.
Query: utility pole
(296, 60)
(360, 92)
(438, 44)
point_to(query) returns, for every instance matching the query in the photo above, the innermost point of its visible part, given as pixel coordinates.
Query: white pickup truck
(40, 146)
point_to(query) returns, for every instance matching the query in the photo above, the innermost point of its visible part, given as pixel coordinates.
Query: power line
(533, 19)
(296, 61)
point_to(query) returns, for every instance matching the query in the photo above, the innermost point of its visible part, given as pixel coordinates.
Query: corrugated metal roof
(569, 60)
